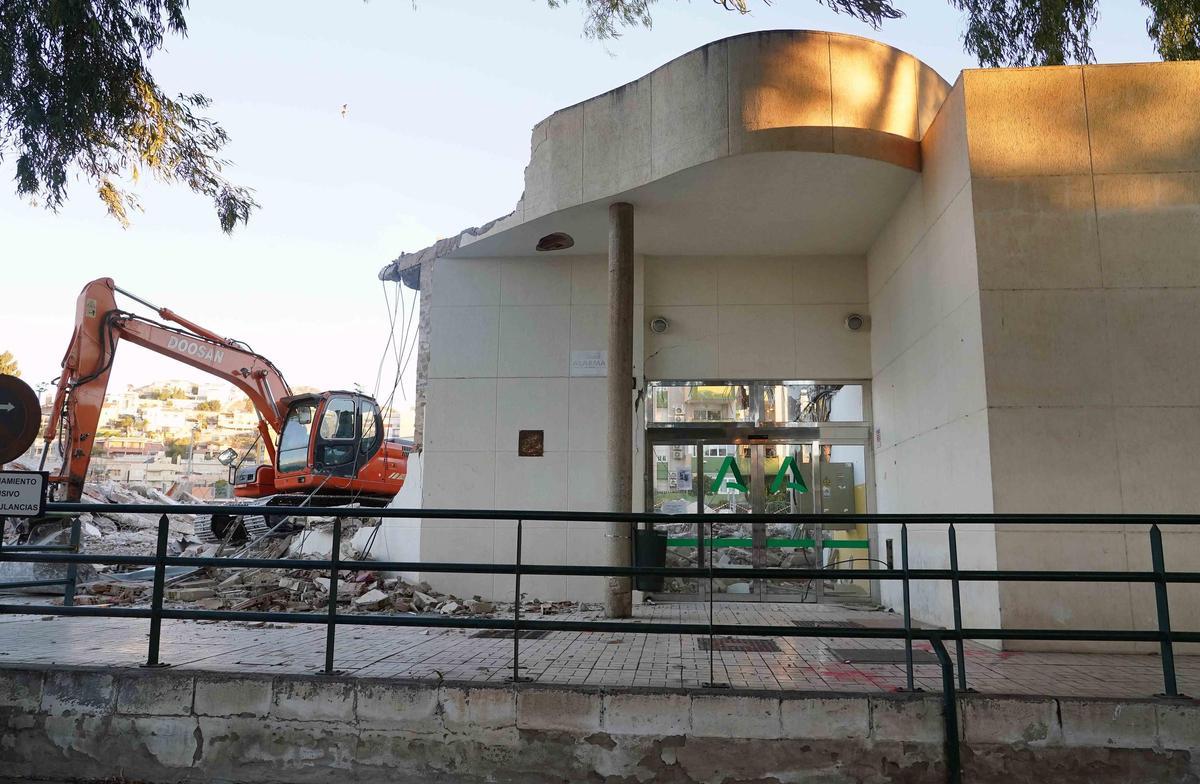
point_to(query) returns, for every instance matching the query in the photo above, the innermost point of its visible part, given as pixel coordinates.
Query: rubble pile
(267, 590)
(307, 590)
(788, 558)
(111, 533)
(131, 533)
(303, 590)
(296, 590)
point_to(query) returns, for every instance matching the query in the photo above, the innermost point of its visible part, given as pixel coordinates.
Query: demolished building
(858, 287)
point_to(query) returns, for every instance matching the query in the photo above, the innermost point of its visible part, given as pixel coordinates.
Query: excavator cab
(331, 443)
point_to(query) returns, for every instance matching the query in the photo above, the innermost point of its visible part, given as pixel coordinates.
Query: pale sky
(441, 98)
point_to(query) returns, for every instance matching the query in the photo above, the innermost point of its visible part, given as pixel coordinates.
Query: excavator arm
(99, 327)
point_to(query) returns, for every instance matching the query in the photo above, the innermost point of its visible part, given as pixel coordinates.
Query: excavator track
(247, 527)
(214, 529)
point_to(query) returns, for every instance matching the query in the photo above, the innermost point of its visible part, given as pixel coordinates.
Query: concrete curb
(183, 725)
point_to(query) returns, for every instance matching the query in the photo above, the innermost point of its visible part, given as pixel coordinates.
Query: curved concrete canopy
(841, 117)
(761, 204)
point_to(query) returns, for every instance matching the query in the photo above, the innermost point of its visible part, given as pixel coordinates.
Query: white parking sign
(22, 493)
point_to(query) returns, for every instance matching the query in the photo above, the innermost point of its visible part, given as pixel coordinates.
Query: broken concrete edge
(406, 267)
(447, 706)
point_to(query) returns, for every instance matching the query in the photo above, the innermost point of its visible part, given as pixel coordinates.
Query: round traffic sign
(20, 417)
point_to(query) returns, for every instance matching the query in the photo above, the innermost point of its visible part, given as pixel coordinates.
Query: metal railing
(1158, 576)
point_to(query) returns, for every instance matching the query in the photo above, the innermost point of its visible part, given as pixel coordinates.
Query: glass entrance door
(789, 478)
(674, 490)
(730, 486)
(841, 489)
(783, 478)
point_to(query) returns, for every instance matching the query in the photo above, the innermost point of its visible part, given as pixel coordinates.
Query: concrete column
(618, 599)
(424, 319)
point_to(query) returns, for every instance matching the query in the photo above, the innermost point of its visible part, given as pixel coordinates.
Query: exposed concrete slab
(146, 694)
(826, 717)
(21, 691)
(219, 696)
(246, 749)
(481, 707)
(391, 706)
(173, 742)
(1109, 723)
(313, 700)
(642, 714)
(1178, 724)
(1015, 721)
(555, 709)
(720, 716)
(910, 719)
(71, 693)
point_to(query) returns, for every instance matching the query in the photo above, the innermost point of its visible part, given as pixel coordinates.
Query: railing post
(156, 597)
(908, 639)
(949, 713)
(1165, 647)
(712, 677)
(516, 676)
(72, 568)
(955, 594)
(331, 622)
(712, 647)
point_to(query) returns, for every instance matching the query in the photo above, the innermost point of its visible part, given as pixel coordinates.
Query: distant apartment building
(162, 473)
(126, 446)
(397, 422)
(148, 432)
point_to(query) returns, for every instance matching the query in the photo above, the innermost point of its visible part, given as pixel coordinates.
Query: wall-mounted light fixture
(659, 325)
(855, 322)
(556, 241)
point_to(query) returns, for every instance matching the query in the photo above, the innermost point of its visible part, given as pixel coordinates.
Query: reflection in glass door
(808, 478)
(730, 488)
(826, 480)
(789, 478)
(674, 491)
(842, 489)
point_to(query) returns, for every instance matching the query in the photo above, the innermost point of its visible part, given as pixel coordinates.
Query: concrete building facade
(1003, 271)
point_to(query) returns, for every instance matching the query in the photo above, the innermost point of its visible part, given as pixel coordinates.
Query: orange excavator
(324, 449)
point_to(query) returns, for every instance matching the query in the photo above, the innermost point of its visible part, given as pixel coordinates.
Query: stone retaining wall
(182, 726)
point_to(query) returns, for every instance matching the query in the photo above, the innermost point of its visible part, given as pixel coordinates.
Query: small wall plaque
(589, 363)
(531, 443)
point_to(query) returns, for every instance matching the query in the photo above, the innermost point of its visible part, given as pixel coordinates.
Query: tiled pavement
(607, 659)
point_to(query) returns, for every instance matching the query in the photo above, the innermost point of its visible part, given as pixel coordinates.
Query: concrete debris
(294, 590)
(725, 556)
(140, 530)
(373, 599)
(108, 533)
(21, 571)
(190, 593)
(306, 590)
(423, 601)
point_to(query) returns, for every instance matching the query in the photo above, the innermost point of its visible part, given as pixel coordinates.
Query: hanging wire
(409, 341)
(391, 338)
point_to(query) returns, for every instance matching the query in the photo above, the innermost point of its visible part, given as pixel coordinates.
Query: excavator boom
(99, 327)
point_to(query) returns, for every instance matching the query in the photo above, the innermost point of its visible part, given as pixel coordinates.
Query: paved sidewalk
(603, 659)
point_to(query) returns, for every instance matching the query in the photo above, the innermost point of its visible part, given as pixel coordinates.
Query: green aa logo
(781, 479)
(736, 482)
